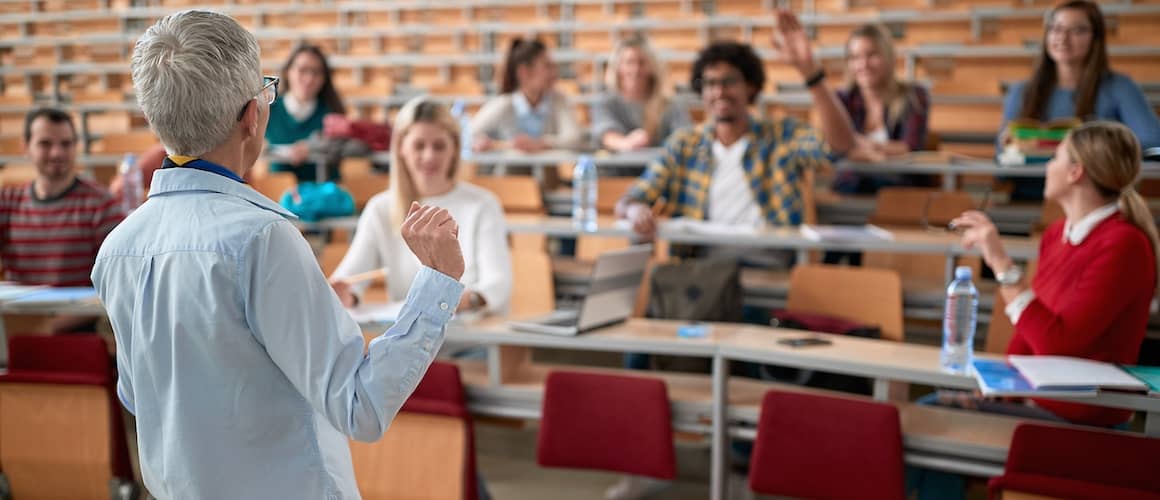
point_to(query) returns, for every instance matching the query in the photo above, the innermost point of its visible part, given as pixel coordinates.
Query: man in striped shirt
(51, 229)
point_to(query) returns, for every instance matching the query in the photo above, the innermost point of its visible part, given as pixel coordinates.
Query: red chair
(441, 393)
(812, 446)
(607, 422)
(60, 391)
(1077, 463)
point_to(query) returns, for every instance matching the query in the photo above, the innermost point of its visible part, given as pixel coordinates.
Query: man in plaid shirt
(736, 168)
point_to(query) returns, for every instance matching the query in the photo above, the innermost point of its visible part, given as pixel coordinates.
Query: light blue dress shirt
(245, 373)
(530, 119)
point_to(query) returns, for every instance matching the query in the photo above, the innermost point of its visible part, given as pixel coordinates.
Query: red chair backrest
(72, 360)
(1080, 463)
(815, 446)
(441, 393)
(607, 422)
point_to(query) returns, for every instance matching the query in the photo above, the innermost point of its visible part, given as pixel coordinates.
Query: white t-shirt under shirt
(731, 199)
(482, 238)
(731, 202)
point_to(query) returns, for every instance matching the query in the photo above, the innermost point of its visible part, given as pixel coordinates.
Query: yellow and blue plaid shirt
(778, 154)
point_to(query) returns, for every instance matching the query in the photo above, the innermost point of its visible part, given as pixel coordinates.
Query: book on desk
(1051, 376)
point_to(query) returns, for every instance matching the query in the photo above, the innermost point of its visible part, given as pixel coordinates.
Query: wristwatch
(1010, 277)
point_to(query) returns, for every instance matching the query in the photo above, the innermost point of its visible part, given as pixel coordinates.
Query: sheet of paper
(867, 232)
(10, 291)
(705, 227)
(63, 295)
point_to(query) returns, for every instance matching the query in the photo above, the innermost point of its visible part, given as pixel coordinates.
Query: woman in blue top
(1072, 78)
(306, 96)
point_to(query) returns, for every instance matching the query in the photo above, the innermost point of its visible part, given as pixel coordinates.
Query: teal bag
(318, 201)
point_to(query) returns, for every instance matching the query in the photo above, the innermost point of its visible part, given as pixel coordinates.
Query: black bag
(825, 324)
(694, 290)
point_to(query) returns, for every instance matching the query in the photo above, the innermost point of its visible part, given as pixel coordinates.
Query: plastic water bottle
(459, 111)
(959, 321)
(584, 194)
(132, 185)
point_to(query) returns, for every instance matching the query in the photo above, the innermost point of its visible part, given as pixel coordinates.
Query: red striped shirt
(54, 241)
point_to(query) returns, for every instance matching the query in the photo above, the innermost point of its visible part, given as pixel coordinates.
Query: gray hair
(193, 72)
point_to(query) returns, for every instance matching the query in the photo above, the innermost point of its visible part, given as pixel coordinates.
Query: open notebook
(1063, 371)
(1000, 378)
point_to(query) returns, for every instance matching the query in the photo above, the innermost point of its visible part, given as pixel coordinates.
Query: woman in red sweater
(1093, 292)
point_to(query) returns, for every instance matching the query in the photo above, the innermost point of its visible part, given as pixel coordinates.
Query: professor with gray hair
(245, 373)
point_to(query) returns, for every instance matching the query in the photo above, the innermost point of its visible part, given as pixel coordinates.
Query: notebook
(1063, 372)
(1148, 374)
(1000, 378)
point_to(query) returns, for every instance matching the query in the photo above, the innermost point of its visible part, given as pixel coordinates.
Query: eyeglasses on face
(268, 92)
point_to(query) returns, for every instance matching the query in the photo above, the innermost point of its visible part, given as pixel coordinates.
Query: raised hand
(433, 236)
(793, 44)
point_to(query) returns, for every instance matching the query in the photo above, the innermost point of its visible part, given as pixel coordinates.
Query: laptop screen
(612, 292)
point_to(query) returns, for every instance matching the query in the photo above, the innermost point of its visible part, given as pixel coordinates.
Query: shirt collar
(523, 107)
(188, 180)
(1076, 233)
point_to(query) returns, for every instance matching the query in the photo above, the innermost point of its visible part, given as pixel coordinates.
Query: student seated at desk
(889, 115)
(1072, 78)
(51, 229)
(306, 96)
(636, 112)
(1096, 280)
(425, 157)
(737, 168)
(530, 116)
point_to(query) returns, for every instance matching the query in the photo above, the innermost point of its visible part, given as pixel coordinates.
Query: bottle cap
(963, 273)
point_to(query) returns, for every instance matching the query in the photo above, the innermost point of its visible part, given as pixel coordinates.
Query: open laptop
(610, 299)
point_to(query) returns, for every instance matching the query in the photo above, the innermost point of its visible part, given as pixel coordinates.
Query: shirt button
(443, 306)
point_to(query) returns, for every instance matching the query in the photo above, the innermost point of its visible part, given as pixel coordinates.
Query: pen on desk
(367, 276)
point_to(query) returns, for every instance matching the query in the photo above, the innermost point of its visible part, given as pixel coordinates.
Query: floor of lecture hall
(507, 460)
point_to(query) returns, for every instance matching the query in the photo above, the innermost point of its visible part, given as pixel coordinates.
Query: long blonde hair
(1110, 155)
(417, 110)
(897, 95)
(658, 100)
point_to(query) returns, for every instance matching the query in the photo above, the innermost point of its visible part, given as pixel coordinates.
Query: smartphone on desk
(804, 342)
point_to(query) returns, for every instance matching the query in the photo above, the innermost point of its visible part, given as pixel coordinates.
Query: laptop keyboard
(570, 321)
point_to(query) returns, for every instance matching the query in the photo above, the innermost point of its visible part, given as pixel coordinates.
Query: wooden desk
(880, 360)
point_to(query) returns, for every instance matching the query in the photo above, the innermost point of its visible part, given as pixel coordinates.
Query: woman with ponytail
(529, 115)
(1094, 289)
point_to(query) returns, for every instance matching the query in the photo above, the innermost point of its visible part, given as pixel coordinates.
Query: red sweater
(1091, 301)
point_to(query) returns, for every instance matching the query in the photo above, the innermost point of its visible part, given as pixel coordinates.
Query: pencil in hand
(361, 277)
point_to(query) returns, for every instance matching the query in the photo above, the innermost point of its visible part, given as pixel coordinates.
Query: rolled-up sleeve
(298, 319)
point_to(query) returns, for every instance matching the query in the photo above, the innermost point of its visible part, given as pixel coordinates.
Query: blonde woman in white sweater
(424, 159)
(529, 115)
